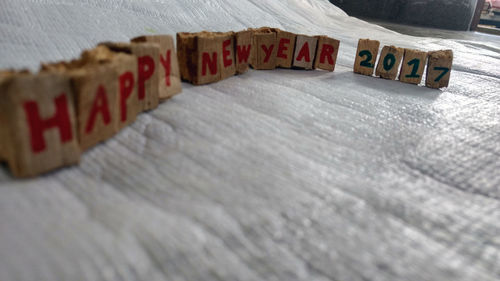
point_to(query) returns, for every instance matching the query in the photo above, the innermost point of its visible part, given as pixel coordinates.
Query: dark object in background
(446, 14)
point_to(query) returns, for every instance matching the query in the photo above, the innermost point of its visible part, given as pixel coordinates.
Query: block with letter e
(326, 53)
(366, 56)
(264, 48)
(413, 66)
(305, 51)
(243, 50)
(37, 123)
(286, 46)
(389, 62)
(169, 78)
(227, 61)
(439, 69)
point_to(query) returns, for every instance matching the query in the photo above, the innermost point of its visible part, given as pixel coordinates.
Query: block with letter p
(37, 123)
(439, 69)
(366, 56)
(326, 54)
(305, 51)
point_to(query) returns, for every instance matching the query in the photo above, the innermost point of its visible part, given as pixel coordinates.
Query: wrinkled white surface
(272, 175)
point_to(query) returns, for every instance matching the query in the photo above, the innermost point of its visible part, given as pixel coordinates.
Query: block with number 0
(439, 68)
(366, 55)
(413, 66)
(388, 64)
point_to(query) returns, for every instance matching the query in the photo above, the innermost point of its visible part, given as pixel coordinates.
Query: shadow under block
(286, 46)
(37, 119)
(326, 53)
(169, 76)
(243, 50)
(439, 69)
(366, 56)
(305, 51)
(148, 70)
(389, 62)
(413, 66)
(264, 49)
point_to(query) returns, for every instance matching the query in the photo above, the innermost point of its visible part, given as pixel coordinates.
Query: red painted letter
(37, 126)
(146, 69)
(167, 65)
(243, 53)
(282, 48)
(304, 53)
(326, 52)
(126, 88)
(212, 64)
(101, 106)
(226, 53)
(268, 51)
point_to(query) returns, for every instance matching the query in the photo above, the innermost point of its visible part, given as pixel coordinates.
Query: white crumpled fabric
(271, 175)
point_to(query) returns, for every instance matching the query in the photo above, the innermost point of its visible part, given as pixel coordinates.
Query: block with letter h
(37, 123)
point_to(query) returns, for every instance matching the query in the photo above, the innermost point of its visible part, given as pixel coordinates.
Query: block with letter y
(37, 123)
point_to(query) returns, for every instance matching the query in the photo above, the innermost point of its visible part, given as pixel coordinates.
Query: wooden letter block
(326, 54)
(243, 50)
(439, 68)
(413, 66)
(286, 45)
(227, 59)
(305, 50)
(37, 119)
(389, 62)
(148, 70)
(169, 78)
(264, 49)
(366, 55)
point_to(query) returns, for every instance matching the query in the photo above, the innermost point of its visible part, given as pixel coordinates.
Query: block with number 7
(439, 68)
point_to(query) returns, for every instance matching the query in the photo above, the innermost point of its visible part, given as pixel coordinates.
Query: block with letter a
(326, 53)
(305, 51)
(413, 66)
(389, 62)
(264, 49)
(37, 123)
(243, 50)
(439, 69)
(366, 56)
(286, 45)
(169, 77)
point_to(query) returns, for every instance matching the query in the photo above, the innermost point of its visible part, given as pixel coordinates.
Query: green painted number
(416, 64)
(366, 62)
(389, 62)
(444, 71)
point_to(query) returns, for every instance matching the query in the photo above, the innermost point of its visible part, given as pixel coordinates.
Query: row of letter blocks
(412, 64)
(47, 119)
(207, 57)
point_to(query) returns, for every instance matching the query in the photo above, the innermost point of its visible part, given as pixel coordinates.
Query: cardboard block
(243, 50)
(37, 123)
(305, 51)
(413, 66)
(148, 70)
(439, 69)
(326, 54)
(264, 49)
(286, 46)
(366, 56)
(389, 62)
(227, 65)
(169, 77)
(187, 55)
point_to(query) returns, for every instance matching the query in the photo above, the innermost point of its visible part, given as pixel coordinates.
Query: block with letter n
(439, 69)
(37, 123)
(326, 53)
(366, 56)
(169, 78)
(305, 52)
